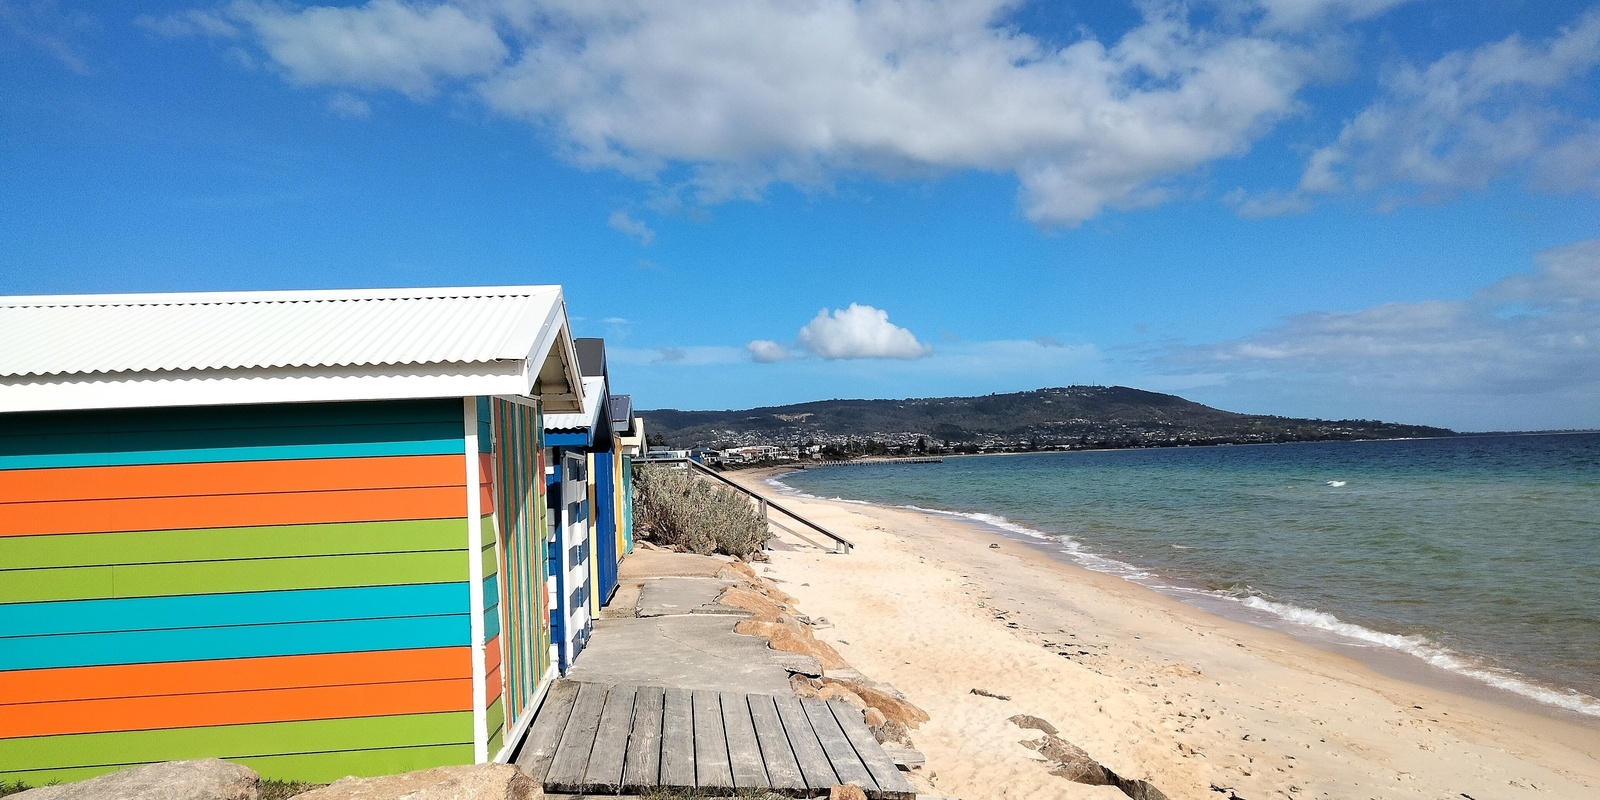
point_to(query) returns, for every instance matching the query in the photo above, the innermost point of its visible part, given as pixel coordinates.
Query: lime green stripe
(497, 715)
(313, 768)
(33, 754)
(329, 767)
(215, 544)
(488, 530)
(491, 562)
(214, 577)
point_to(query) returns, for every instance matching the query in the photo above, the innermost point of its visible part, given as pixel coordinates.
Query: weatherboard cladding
(86, 334)
(284, 586)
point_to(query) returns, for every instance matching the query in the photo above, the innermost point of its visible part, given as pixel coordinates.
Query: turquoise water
(1478, 555)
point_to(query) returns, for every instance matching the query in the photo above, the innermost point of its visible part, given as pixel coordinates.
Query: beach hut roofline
(228, 348)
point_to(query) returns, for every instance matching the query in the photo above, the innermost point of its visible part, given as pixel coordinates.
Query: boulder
(874, 717)
(834, 691)
(203, 779)
(893, 707)
(475, 782)
(891, 732)
(846, 791)
(760, 606)
(1034, 723)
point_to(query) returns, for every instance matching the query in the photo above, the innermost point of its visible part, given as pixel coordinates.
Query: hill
(1068, 417)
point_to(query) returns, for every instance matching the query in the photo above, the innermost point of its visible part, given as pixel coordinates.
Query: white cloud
(349, 106)
(741, 94)
(632, 228)
(1472, 117)
(385, 44)
(1301, 14)
(1529, 341)
(766, 351)
(859, 332)
(691, 356)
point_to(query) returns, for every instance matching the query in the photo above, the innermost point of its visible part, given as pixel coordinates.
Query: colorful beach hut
(303, 531)
(629, 431)
(570, 480)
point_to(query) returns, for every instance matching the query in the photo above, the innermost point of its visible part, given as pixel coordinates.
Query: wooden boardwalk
(592, 738)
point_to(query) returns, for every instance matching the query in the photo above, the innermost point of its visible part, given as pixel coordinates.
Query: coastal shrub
(676, 509)
(13, 788)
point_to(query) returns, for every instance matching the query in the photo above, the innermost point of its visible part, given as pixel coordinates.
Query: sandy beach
(1199, 705)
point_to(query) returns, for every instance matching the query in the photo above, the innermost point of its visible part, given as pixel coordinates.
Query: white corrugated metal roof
(76, 351)
(593, 392)
(243, 330)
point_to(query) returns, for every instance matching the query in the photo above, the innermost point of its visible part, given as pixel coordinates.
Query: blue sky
(1334, 208)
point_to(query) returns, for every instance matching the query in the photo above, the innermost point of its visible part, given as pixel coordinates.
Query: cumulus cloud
(1472, 117)
(385, 44)
(1530, 335)
(1301, 14)
(859, 332)
(739, 95)
(766, 351)
(626, 225)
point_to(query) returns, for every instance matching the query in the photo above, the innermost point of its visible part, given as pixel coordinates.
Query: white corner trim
(480, 677)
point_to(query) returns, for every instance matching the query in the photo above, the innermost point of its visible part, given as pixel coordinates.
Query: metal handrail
(841, 544)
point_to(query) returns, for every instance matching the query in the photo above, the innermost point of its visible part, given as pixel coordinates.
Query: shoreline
(1362, 645)
(1200, 697)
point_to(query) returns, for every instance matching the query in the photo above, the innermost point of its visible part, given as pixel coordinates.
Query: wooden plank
(641, 768)
(604, 773)
(711, 767)
(891, 784)
(783, 771)
(677, 739)
(841, 755)
(539, 747)
(808, 752)
(572, 754)
(744, 752)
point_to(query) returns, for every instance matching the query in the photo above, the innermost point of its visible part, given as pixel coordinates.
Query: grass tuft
(679, 510)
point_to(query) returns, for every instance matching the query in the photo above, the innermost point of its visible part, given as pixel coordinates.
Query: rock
(891, 732)
(475, 782)
(1034, 723)
(792, 637)
(761, 607)
(835, 691)
(875, 717)
(893, 707)
(987, 693)
(204, 779)
(846, 791)
(803, 686)
(994, 547)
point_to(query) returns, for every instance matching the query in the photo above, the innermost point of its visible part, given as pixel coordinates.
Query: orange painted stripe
(231, 511)
(232, 675)
(493, 692)
(491, 659)
(229, 478)
(235, 708)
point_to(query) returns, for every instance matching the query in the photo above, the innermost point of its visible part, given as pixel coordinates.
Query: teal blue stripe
(244, 608)
(491, 590)
(491, 622)
(212, 455)
(252, 641)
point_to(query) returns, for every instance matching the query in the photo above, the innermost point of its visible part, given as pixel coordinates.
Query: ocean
(1475, 555)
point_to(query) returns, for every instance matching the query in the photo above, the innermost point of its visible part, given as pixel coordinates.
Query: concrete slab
(695, 651)
(643, 563)
(662, 597)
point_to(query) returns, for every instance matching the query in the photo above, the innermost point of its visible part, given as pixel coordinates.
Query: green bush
(13, 788)
(679, 510)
